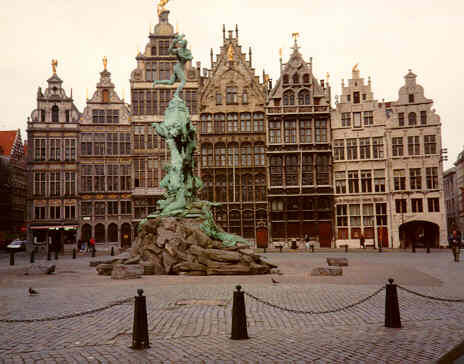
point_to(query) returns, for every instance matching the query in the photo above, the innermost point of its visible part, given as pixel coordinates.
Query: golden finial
(105, 62)
(355, 67)
(86, 93)
(177, 26)
(54, 65)
(230, 53)
(161, 5)
(295, 36)
(123, 94)
(266, 78)
(327, 76)
(280, 52)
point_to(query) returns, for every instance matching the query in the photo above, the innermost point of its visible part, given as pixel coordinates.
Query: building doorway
(86, 232)
(422, 233)
(99, 233)
(125, 235)
(113, 233)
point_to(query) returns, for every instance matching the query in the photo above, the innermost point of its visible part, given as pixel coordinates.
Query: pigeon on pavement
(32, 291)
(274, 281)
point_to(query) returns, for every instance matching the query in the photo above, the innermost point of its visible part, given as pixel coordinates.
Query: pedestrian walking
(306, 241)
(362, 241)
(92, 245)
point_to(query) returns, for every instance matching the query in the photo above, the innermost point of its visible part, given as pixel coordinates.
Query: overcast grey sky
(385, 37)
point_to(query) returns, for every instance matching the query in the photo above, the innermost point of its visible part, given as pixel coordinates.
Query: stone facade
(105, 168)
(459, 191)
(360, 167)
(388, 167)
(149, 152)
(299, 154)
(415, 146)
(232, 139)
(52, 159)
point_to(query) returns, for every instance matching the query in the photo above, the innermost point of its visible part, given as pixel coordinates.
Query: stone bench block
(327, 271)
(337, 262)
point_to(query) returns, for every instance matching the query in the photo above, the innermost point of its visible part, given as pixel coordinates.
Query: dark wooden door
(262, 237)
(325, 234)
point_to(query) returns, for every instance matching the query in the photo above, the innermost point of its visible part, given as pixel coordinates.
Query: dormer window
(42, 115)
(285, 79)
(303, 97)
(296, 78)
(356, 99)
(55, 114)
(289, 98)
(153, 51)
(67, 113)
(305, 78)
(411, 98)
(218, 98)
(106, 96)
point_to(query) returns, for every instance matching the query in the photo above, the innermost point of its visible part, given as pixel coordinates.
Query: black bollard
(56, 254)
(32, 257)
(11, 257)
(49, 255)
(74, 253)
(93, 252)
(413, 247)
(428, 249)
(264, 249)
(392, 308)
(112, 251)
(346, 248)
(140, 331)
(312, 248)
(380, 247)
(239, 324)
(280, 247)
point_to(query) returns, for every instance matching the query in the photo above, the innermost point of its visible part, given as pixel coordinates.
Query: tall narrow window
(220, 152)
(231, 95)
(356, 98)
(259, 155)
(364, 148)
(275, 170)
(401, 119)
(377, 148)
(232, 123)
(245, 122)
(411, 98)
(412, 119)
(423, 117)
(307, 172)
(413, 145)
(258, 122)
(322, 169)
(291, 170)
(165, 70)
(397, 146)
(164, 48)
(106, 96)
(320, 128)
(430, 144)
(432, 177)
(351, 149)
(368, 118)
(275, 132)
(219, 123)
(415, 178)
(353, 181)
(245, 98)
(290, 131)
(247, 154)
(399, 180)
(55, 114)
(340, 182)
(339, 149)
(346, 119)
(303, 97)
(366, 181)
(296, 78)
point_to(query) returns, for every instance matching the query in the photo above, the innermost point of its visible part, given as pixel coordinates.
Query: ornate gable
(232, 68)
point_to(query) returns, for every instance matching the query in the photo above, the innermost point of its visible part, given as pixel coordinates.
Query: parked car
(17, 246)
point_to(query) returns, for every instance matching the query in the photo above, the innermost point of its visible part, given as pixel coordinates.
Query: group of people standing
(86, 246)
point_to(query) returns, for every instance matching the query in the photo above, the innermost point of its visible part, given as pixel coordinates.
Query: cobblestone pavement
(200, 332)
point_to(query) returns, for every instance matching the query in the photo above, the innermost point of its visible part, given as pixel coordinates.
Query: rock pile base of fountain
(170, 245)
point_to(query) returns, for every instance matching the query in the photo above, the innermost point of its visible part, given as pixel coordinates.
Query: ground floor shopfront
(56, 236)
(121, 233)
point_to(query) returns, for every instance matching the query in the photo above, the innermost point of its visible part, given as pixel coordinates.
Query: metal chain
(430, 297)
(315, 312)
(72, 315)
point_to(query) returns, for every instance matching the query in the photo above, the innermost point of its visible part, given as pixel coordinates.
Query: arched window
(113, 233)
(259, 155)
(306, 78)
(261, 215)
(100, 233)
(207, 155)
(106, 96)
(289, 98)
(303, 97)
(260, 187)
(153, 51)
(296, 78)
(221, 195)
(247, 188)
(220, 151)
(245, 97)
(322, 170)
(291, 170)
(285, 79)
(55, 114)
(412, 118)
(247, 155)
(307, 169)
(219, 123)
(232, 150)
(221, 216)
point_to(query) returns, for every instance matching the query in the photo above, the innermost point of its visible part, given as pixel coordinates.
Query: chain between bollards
(140, 338)
(239, 323)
